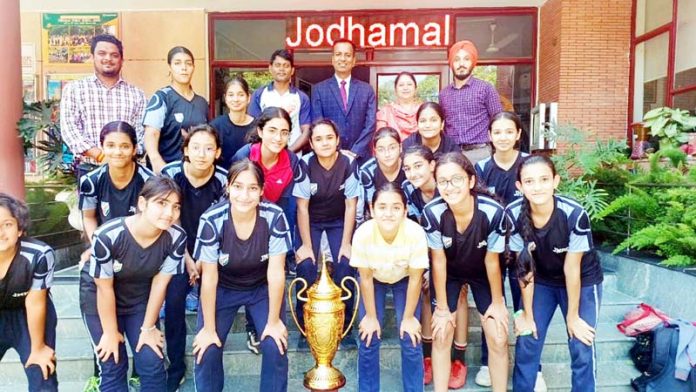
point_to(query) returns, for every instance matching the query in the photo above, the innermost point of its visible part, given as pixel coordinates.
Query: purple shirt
(468, 110)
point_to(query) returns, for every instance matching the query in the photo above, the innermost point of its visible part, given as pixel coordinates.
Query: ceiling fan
(495, 47)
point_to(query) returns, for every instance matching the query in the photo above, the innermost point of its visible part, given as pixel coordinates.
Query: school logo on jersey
(224, 259)
(117, 266)
(313, 188)
(491, 189)
(132, 210)
(560, 250)
(105, 208)
(446, 241)
(179, 117)
(481, 244)
(342, 187)
(18, 295)
(264, 258)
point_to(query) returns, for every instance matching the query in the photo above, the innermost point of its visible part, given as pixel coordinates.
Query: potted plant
(670, 126)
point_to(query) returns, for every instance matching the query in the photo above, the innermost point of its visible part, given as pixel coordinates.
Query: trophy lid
(324, 287)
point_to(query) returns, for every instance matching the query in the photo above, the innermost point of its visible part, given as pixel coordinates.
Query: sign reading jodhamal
(67, 36)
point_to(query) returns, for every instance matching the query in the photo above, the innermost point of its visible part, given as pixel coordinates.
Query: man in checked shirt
(88, 104)
(469, 103)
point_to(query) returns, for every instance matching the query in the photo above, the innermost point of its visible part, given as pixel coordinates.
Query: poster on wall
(29, 88)
(66, 37)
(56, 82)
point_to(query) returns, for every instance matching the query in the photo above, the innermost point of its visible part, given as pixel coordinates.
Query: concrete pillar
(11, 153)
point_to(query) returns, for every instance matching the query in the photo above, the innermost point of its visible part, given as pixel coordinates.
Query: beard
(464, 75)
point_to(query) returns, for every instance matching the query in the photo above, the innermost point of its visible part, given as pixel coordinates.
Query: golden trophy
(324, 314)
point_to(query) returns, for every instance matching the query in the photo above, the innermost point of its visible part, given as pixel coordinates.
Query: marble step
(75, 354)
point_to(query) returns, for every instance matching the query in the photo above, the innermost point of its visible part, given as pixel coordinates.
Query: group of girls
(152, 235)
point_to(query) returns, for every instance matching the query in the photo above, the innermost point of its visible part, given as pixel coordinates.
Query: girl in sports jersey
(242, 244)
(123, 285)
(111, 191)
(420, 188)
(466, 235)
(172, 110)
(202, 185)
(326, 203)
(558, 267)
(498, 173)
(268, 146)
(27, 316)
(234, 126)
(390, 253)
(384, 167)
(431, 125)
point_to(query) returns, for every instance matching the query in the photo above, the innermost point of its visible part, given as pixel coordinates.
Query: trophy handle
(299, 293)
(347, 297)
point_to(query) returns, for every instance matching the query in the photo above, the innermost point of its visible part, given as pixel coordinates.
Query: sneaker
(457, 375)
(192, 302)
(483, 377)
(427, 371)
(540, 384)
(92, 384)
(134, 384)
(253, 343)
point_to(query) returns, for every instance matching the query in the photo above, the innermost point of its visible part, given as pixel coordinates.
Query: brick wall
(584, 63)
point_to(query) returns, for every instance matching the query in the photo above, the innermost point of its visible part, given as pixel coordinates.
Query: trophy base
(324, 378)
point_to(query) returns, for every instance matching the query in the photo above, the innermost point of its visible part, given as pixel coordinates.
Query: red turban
(468, 46)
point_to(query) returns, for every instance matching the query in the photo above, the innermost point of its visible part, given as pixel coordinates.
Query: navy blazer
(357, 124)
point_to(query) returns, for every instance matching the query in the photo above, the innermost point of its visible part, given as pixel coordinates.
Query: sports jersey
(195, 200)
(242, 264)
(117, 255)
(466, 251)
(232, 137)
(30, 269)
(372, 178)
(499, 181)
(97, 191)
(414, 200)
(568, 230)
(294, 101)
(446, 144)
(171, 113)
(390, 262)
(327, 190)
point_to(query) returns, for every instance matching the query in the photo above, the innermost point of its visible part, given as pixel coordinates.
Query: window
(664, 57)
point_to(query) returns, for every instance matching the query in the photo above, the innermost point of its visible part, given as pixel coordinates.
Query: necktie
(344, 95)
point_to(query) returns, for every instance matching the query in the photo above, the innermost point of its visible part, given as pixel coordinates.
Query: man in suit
(348, 102)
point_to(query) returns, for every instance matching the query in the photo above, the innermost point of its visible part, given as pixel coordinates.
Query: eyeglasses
(456, 181)
(205, 150)
(391, 149)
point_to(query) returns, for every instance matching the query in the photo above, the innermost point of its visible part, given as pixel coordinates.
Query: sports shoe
(483, 377)
(427, 371)
(253, 343)
(92, 384)
(192, 301)
(457, 375)
(134, 384)
(540, 384)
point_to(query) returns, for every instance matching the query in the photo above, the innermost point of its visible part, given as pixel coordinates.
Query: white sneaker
(483, 377)
(540, 384)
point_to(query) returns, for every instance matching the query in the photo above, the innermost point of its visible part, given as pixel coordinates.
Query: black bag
(641, 352)
(659, 376)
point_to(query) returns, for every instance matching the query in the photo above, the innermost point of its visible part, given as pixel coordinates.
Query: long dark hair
(389, 187)
(525, 260)
(160, 187)
(267, 115)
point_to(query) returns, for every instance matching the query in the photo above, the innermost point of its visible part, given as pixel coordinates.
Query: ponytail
(525, 261)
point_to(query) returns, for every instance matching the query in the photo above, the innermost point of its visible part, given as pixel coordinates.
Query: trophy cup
(324, 313)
